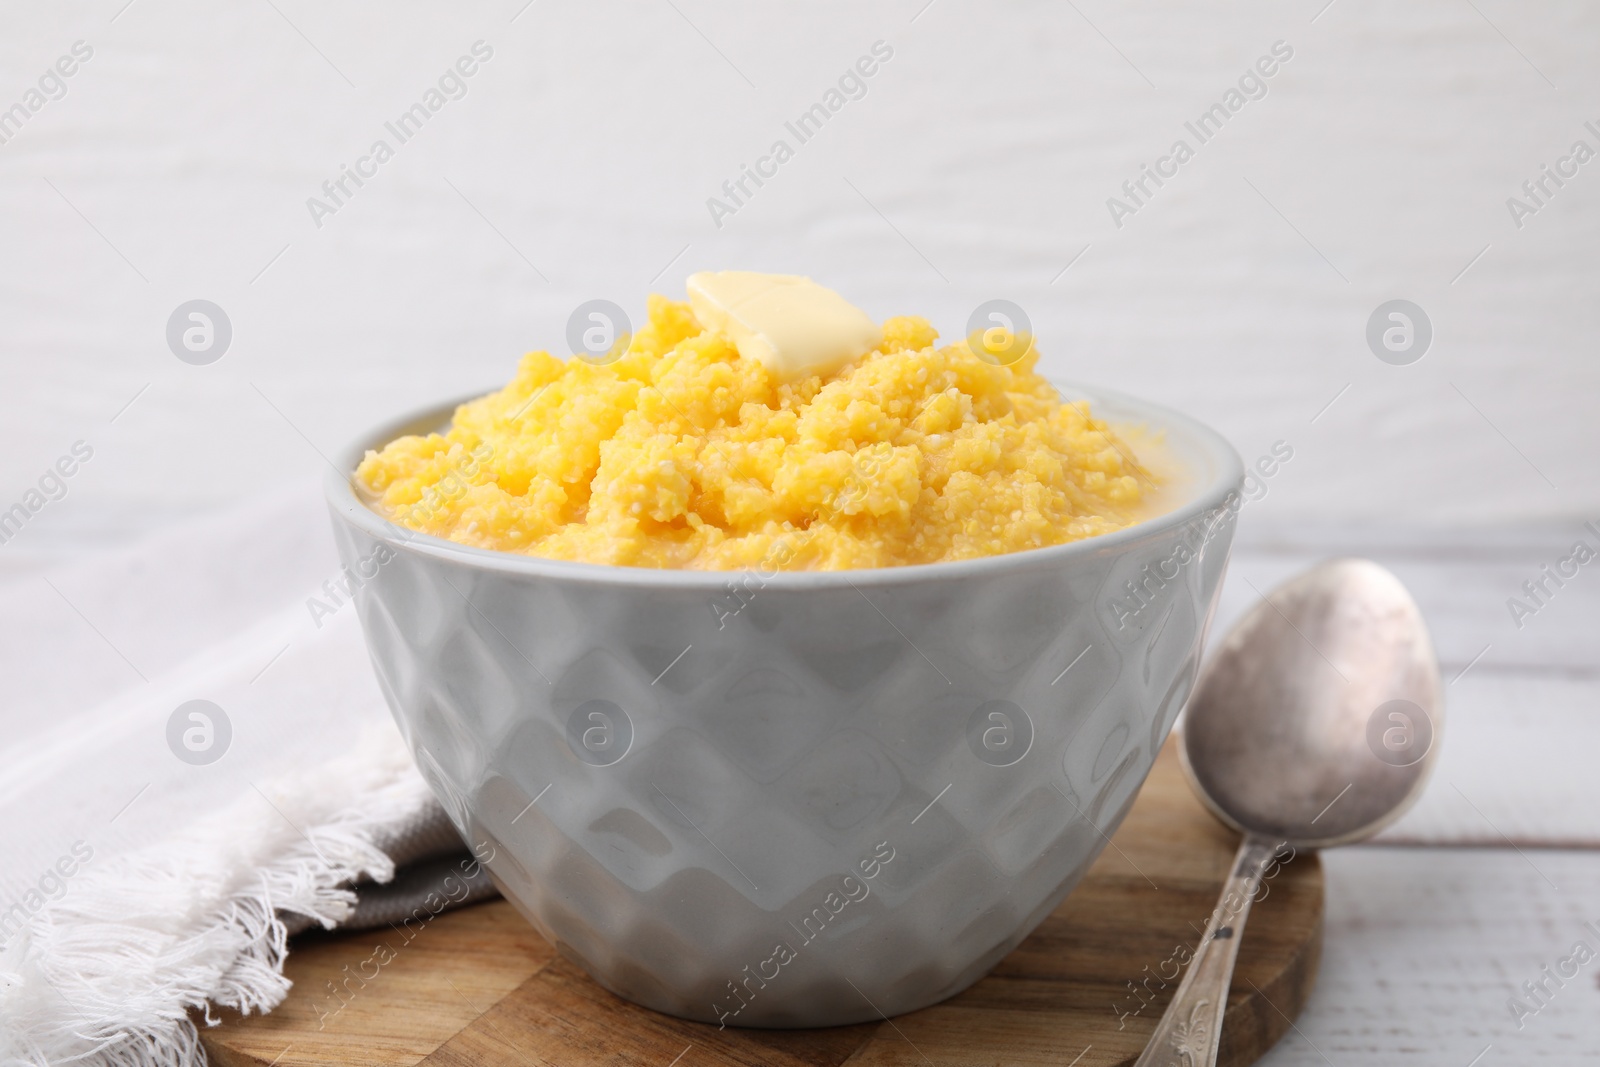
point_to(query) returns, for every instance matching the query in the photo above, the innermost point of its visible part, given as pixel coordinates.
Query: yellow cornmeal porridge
(682, 453)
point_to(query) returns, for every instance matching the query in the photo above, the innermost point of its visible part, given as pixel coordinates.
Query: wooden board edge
(1257, 1019)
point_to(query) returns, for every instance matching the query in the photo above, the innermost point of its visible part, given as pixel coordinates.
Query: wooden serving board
(479, 986)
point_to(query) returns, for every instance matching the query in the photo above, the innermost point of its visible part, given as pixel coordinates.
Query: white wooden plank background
(580, 162)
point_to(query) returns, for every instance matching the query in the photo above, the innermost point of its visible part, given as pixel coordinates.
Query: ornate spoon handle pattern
(1189, 1032)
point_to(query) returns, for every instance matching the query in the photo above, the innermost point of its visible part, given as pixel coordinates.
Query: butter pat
(791, 324)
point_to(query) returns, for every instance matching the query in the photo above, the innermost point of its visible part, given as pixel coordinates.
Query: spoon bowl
(1316, 721)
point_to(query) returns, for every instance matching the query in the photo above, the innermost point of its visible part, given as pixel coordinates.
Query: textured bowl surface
(771, 799)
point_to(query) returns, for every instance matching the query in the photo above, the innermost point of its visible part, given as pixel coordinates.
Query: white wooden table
(1430, 930)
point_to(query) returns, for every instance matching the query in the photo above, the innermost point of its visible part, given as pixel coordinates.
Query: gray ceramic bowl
(793, 799)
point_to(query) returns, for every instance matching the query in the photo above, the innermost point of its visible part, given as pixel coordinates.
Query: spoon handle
(1190, 1031)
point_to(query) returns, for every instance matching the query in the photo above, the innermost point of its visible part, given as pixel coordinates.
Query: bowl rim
(1209, 496)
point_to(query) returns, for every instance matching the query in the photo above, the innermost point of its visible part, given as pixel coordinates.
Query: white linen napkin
(137, 880)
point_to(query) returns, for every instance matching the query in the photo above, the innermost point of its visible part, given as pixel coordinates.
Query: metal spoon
(1314, 724)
